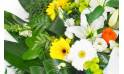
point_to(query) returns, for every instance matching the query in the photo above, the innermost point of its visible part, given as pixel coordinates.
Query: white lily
(82, 31)
(85, 30)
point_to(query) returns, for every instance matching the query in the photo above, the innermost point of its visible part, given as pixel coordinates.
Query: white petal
(98, 23)
(15, 8)
(84, 21)
(69, 22)
(108, 9)
(113, 44)
(113, 65)
(114, 18)
(78, 31)
(93, 4)
(69, 34)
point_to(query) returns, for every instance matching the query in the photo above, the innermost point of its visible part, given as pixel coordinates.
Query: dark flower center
(64, 51)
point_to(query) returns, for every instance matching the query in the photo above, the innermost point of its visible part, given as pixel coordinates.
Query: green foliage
(88, 71)
(50, 66)
(104, 59)
(96, 13)
(13, 53)
(12, 22)
(57, 27)
(37, 46)
(113, 3)
(39, 21)
(35, 6)
(36, 70)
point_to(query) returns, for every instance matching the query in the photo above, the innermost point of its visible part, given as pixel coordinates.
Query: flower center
(64, 51)
(99, 43)
(81, 54)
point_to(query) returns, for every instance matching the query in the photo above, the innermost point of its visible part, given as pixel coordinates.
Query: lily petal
(114, 18)
(84, 22)
(78, 31)
(98, 23)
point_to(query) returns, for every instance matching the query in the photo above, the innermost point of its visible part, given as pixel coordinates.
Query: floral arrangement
(63, 36)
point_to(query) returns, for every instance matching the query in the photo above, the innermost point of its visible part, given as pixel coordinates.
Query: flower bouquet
(63, 36)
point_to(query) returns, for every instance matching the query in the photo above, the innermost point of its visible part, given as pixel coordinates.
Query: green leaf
(34, 6)
(39, 22)
(11, 18)
(50, 66)
(96, 13)
(36, 46)
(104, 59)
(57, 27)
(113, 3)
(13, 54)
(36, 70)
(32, 53)
(12, 23)
(88, 71)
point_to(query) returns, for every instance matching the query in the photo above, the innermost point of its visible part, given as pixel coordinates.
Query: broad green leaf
(104, 59)
(32, 53)
(13, 54)
(96, 13)
(11, 18)
(34, 6)
(36, 70)
(113, 3)
(57, 27)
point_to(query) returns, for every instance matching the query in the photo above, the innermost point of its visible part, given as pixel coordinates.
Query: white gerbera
(100, 44)
(80, 52)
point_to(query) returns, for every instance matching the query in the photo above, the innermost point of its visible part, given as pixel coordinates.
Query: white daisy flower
(26, 33)
(80, 52)
(100, 44)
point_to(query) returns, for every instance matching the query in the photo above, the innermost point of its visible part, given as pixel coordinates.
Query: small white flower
(100, 44)
(80, 52)
(26, 33)
(61, 65)
(69, 22)
(113, 44)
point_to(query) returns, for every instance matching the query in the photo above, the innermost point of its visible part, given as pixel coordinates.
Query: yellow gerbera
(53, 7)
(60, 48)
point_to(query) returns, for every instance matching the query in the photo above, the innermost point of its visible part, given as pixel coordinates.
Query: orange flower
(108, 34)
